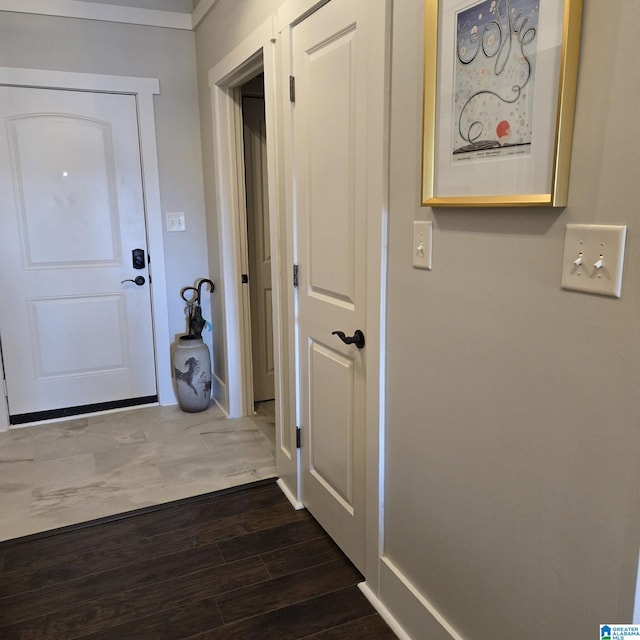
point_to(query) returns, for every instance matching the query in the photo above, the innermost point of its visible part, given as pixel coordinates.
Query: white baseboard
(412, 612)
(219, 393)
(385, 614)
(289, 495)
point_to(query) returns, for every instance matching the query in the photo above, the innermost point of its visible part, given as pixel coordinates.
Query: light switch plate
(176, 221)
(422, 232)
(585, 247)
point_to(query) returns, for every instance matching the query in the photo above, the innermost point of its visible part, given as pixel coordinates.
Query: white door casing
(238, 66)
(72, 212)
(339, 65)
(142, 89)
(259, 248)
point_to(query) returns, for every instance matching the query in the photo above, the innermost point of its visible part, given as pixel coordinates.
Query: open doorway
(259, 254)
(256, 55)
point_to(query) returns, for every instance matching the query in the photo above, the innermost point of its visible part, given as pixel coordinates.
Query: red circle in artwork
(503, 129)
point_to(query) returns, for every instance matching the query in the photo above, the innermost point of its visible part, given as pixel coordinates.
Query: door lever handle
(357, 338)
(139, 280)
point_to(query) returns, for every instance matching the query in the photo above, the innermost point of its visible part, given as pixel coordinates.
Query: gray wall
(117, 49)
(513, 407)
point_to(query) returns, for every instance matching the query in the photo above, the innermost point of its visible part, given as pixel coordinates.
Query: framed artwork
(499, 97)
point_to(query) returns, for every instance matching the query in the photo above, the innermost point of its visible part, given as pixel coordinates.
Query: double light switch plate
(593, 258)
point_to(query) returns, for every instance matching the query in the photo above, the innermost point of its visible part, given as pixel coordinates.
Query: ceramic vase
(192, 371)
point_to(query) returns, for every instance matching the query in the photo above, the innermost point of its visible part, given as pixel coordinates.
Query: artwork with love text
(494, 80)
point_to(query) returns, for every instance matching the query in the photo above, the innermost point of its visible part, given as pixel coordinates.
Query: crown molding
(104, 12)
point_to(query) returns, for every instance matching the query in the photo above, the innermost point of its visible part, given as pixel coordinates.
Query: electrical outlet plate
(422, 244)
(584, 246)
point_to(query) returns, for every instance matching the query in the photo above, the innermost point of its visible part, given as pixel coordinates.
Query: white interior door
(72, 211)
(334, 216)
(260, 290)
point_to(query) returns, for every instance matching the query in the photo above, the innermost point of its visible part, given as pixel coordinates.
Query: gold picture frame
(510, 62)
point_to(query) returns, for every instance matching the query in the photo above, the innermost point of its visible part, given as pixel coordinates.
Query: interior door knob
(139, 280)
(357, 338)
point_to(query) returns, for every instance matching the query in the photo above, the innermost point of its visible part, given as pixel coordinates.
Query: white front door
(74, 336)
(260, 291)
(337, 143)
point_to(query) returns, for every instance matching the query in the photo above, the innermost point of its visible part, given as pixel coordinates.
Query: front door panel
(72, 210)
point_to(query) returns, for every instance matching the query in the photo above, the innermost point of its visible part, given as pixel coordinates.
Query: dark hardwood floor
(235, 565)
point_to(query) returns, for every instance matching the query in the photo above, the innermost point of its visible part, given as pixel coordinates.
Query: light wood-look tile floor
(69, 472)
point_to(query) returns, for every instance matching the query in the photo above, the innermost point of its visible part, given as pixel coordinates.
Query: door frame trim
(225, 80)
(259, 51)
(144, 89)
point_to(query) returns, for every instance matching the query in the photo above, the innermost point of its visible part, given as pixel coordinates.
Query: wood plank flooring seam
(155, 583)
(7, 577)
(182, 539)
(78, 587)
(288, 622)
(264, 557)
(367, 627)
(215, 599)
(295, 588)
(269, 539)
(91, 610)
(279, 608)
